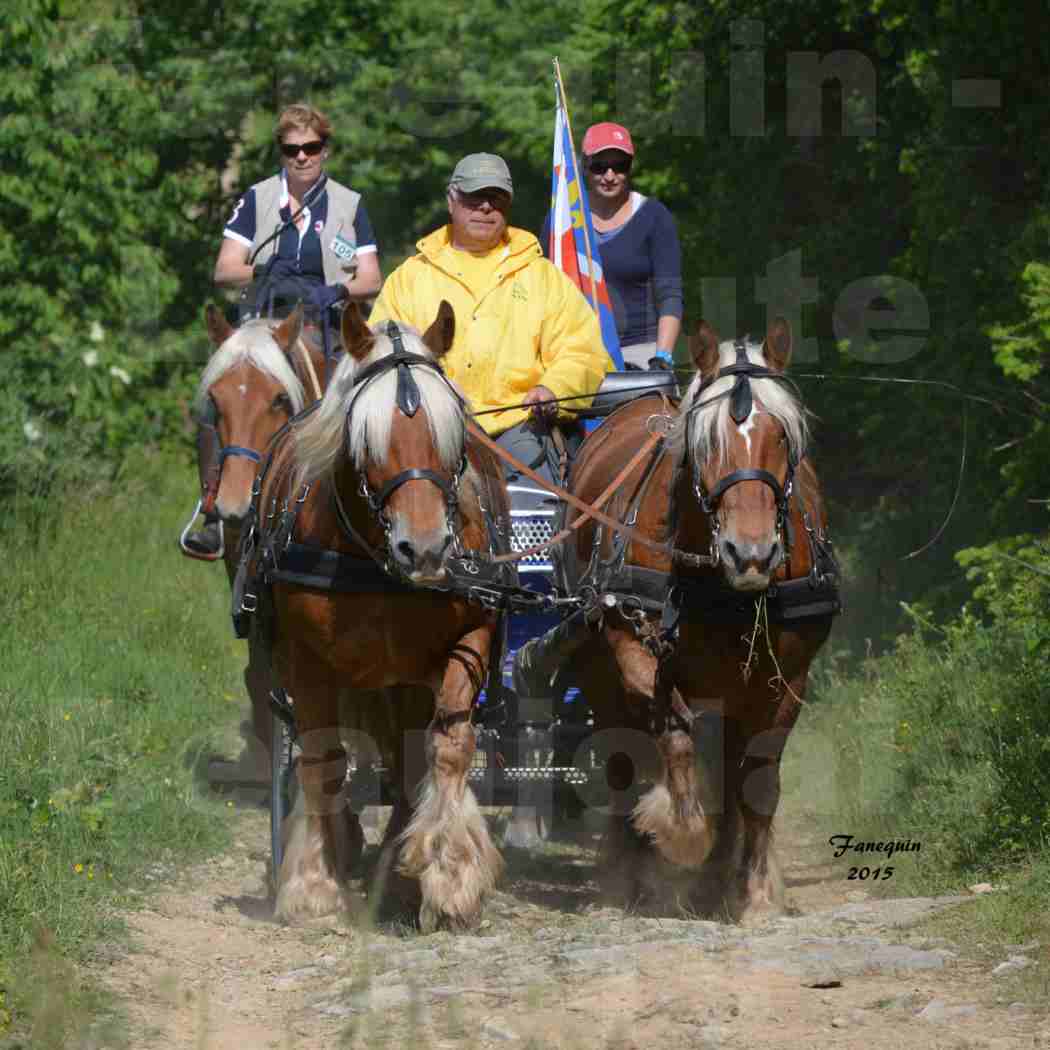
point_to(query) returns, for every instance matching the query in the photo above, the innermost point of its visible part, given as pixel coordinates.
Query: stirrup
(189, 552)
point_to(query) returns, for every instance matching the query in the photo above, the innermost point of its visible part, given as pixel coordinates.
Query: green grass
(945, 741)
(118, 669)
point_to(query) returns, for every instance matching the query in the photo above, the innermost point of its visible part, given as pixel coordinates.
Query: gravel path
(551, 968)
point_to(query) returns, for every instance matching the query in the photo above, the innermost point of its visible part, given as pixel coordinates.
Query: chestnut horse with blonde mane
(260, 375)
(382, 473)
(732, 509)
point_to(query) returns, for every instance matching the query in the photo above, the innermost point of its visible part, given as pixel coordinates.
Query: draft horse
(260, 375)
(713, 624)
(381, 485)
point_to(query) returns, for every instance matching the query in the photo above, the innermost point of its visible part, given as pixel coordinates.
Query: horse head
(392, 427)
(746, 433)
(249, 390)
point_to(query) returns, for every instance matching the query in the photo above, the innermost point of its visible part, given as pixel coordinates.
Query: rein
(741, 404)
(588, 510)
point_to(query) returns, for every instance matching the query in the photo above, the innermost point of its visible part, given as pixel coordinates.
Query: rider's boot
(206, 542)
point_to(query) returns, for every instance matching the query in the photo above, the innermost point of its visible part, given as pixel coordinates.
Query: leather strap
(415, 474)
(585, 509)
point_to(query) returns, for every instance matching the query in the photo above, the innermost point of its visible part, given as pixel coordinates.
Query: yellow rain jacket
(523, 324)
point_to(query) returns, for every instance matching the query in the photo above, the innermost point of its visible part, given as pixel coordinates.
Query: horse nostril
(731, 553)
(407, 552)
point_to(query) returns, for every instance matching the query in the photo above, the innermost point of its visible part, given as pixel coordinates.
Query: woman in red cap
(638, 241)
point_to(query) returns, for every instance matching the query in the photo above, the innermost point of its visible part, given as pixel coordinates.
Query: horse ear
(778, 344)
(219, 329)
(357, 336)
(703, 347)
(287, 332)
(438, 337)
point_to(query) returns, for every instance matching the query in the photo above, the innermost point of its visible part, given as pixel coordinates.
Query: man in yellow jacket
(525, 335)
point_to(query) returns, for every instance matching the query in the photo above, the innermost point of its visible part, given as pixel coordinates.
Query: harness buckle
(485, 596)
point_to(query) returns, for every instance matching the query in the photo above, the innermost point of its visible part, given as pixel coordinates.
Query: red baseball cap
(607, 136)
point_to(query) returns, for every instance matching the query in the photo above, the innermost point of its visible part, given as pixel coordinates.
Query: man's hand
(542, 401)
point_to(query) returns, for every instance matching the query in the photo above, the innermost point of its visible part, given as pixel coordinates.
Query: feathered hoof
(307, 888)
(431, 920)
(678, 831)
(447, 847)
(763, 897)
(303, 898)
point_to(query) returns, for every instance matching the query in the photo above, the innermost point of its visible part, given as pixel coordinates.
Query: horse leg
(320, 840)
(396, 896)
(624, 713)
(761, 887)
(446, 845)
(715, 891)
(671, 812)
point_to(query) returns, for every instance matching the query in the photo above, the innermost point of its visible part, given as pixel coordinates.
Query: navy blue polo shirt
(642, 263)
(293, 244)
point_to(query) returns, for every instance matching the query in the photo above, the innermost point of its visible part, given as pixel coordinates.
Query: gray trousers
(531, 443)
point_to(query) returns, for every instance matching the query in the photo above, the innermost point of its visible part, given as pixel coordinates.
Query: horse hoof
(297, 901)
(431, 921)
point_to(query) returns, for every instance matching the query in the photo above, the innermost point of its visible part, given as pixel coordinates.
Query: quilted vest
(338, 240)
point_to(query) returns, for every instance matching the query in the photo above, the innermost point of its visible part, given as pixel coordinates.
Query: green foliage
(84, 209)
(1021, 349)
(126, 134)
(1011, 580)
(945, 740)
(111, 693)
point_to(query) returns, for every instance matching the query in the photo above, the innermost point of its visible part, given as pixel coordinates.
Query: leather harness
(481, 576)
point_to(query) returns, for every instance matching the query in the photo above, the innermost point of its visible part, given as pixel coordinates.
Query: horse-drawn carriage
(682, 579)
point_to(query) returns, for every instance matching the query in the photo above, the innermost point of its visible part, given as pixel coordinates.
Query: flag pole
(592, 295)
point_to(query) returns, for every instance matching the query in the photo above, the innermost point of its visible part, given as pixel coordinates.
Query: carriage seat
(620, 387)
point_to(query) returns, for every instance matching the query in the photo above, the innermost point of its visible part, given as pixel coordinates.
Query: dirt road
(550, 968)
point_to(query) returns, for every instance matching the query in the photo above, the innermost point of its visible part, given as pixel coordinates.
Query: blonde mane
(710, 428)
(253, 343)
(319, 439)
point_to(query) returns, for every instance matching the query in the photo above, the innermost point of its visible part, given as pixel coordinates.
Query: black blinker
(408, 395)
(740, 401)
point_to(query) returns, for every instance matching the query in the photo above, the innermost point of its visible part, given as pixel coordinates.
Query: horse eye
(282, 403)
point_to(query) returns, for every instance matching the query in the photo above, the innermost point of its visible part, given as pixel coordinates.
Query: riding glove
(325, 296)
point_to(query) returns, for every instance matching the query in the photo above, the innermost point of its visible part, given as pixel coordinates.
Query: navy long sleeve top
(642, 262)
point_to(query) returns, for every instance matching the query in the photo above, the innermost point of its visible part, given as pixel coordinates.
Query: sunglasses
(600, 167)
(311, 149)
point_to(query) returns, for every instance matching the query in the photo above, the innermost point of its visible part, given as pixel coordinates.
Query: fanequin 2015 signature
(843, 843)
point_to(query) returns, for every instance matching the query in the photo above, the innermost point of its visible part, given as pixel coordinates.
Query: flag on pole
(573, 246)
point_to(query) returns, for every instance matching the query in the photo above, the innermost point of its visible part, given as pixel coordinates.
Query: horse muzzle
(748, 565)
(421, 560)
